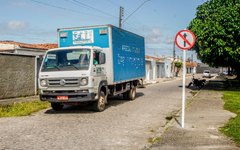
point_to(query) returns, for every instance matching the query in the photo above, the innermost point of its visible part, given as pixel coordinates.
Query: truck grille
(63, 82)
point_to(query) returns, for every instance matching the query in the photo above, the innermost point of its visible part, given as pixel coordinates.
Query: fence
(18, 75)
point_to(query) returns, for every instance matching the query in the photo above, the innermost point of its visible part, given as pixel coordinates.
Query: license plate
(62, 98)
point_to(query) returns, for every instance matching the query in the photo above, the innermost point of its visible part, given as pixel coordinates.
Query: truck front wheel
(100, 104)
(57, 106)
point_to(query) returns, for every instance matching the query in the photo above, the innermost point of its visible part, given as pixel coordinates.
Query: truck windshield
(66, 60)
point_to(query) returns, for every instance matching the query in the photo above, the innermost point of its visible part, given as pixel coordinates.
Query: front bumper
(72, 97)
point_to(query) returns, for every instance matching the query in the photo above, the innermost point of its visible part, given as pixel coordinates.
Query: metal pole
(174, 55)
(183, 87)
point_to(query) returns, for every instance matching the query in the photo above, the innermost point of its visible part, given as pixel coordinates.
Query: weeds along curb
(164, 80)
(169, 123)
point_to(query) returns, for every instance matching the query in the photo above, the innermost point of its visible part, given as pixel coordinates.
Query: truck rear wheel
(57, 106)
(131, 94)
(100, 104)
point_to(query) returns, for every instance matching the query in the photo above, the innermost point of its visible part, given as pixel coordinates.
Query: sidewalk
(160, 80)
(203, 117)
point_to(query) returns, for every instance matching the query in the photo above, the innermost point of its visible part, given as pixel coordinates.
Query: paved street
(123, 125)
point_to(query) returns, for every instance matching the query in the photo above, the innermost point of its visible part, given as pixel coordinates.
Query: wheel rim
(101, 102)
(133, 93)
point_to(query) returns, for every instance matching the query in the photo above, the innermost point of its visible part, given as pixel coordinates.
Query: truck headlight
(43, 82)
(83, 81)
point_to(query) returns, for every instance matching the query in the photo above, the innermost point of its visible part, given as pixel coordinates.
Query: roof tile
(44, 46)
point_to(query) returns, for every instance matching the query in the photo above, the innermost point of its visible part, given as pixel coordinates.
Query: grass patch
(193, 93)
(154, 140)
(232, 103)
(152, 130)
(22, 108)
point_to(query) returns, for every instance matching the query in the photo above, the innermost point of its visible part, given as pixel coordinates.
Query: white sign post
(185, 40)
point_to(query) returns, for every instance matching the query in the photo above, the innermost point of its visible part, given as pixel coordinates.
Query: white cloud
(13, 27)
(169, 40)
(21, 31)
(154, 36)
(16, 25)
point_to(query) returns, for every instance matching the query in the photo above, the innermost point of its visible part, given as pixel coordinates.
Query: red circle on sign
(185, 40)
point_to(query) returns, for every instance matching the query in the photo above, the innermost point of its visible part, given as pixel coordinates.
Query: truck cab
(72, 75)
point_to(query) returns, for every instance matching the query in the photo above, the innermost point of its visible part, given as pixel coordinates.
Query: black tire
(132, 93)
(57, 106)
(189, 84)
(200, 86)
(100, 104)
(126, 95)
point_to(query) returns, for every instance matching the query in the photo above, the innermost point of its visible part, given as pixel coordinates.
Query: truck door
(99, 71)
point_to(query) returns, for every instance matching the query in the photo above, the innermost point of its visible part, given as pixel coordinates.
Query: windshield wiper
(51, 67)
(55, 66)
(74, 66)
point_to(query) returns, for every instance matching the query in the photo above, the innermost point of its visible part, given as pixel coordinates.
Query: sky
(158, 21)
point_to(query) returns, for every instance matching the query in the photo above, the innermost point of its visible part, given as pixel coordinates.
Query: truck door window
(96, 58)
(102, 58)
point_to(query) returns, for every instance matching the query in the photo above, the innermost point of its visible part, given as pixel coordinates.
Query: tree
(178, 65)
(217, 30)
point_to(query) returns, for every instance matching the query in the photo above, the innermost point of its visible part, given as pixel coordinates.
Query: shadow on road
(223, 85)
(86, 108)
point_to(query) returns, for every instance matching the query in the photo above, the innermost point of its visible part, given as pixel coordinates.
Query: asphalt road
(123, 125)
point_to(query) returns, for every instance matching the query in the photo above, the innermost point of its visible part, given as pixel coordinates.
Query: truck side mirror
(102, 58)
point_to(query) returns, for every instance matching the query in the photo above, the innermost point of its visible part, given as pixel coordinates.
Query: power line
(88, 6)
(79, 5)
(113, 3)
(136, 10)
(133, 27)
(125, 10)
(58, 7)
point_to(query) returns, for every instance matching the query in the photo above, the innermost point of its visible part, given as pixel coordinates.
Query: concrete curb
(10, 101)
(169, 123)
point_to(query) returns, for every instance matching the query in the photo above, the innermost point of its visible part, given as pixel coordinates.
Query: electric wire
(63, 8)
(136, 10)
(132, 24)
(58, 7)
(93, 8)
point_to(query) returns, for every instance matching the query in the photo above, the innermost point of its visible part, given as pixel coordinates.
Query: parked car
(206, 74)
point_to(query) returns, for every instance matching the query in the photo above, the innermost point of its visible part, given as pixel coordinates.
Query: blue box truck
(91, 64)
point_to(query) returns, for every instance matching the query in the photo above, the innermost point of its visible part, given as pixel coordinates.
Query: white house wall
(8, 46)
(156, 69)
(153, 64)
(167, 66)
(148, 70)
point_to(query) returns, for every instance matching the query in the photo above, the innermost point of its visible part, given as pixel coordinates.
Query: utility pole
(121, 14)
(174, 51)
(174, 55)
